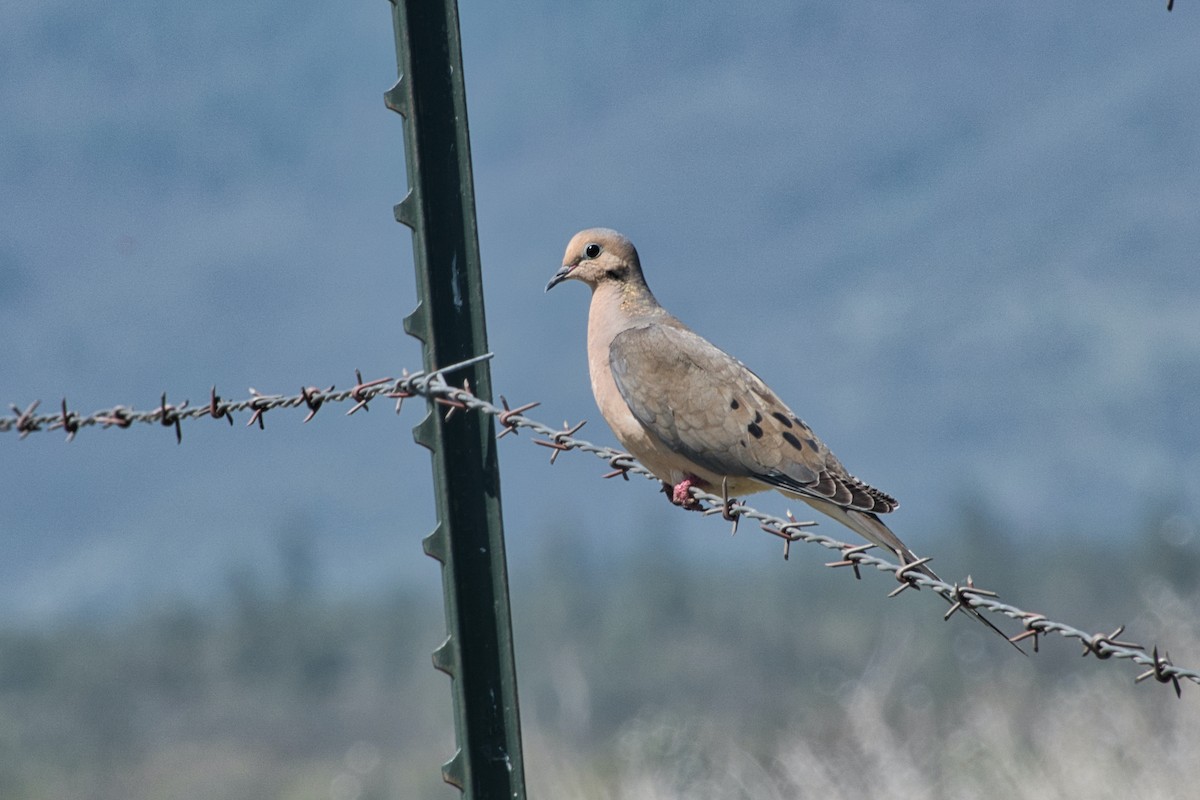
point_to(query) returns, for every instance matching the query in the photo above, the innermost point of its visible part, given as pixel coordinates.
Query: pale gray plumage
(691, 412)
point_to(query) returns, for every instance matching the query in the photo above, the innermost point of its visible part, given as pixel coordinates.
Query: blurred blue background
(960, 241)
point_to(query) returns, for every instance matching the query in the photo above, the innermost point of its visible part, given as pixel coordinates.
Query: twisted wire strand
(434, 386)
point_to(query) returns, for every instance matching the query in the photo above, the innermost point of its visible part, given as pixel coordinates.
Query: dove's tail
(871, 528)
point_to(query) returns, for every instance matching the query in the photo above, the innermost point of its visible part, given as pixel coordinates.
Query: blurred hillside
(642, 675)
(959, 240)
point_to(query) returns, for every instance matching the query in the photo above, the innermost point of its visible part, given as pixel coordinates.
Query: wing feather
(710, 408)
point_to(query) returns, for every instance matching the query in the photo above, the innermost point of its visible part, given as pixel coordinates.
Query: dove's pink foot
(681, 496)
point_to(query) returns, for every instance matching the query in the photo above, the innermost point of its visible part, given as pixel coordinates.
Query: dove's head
(598, 256)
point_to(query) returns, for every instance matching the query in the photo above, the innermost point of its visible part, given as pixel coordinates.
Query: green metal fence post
(449, 320)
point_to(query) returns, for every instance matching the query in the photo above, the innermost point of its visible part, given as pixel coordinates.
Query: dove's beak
(560, 276)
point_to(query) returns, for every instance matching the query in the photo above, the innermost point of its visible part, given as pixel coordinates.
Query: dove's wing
(712, 410)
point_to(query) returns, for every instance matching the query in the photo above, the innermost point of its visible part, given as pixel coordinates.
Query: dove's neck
(616, 307)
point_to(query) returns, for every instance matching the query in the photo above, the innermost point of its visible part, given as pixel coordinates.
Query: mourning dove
(696, 416)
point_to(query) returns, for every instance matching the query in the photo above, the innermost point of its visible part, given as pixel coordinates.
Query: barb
(433, 386)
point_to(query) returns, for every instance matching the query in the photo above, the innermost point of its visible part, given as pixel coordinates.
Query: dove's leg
(680, 495)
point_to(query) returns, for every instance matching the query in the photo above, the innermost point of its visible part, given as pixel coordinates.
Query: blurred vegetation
(642, 674)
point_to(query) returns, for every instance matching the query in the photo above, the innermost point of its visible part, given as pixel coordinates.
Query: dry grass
(1098, 736)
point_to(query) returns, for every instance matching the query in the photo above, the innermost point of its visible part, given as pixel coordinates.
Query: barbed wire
(26, 421)
(434, 386)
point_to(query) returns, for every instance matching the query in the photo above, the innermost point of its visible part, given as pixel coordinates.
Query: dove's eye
(592, 250)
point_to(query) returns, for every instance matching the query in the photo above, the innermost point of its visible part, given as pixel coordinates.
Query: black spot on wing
(755, 430)
(787, 423)
(792, 440)
(734, 404)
